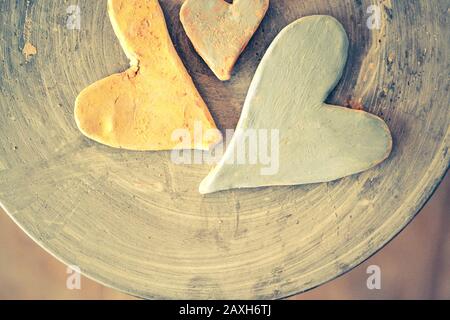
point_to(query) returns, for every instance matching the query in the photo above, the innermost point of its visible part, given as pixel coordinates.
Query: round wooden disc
(136, 222)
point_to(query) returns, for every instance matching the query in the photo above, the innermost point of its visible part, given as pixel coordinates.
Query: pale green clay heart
(317, 142)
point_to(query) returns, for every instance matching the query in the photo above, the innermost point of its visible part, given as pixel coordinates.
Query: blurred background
(415, 265)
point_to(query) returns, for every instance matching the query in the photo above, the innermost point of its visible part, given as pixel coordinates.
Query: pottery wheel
(136, 222)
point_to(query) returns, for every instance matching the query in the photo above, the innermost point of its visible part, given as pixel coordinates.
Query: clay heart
(140, 108)
(313, 142)
(220, 31)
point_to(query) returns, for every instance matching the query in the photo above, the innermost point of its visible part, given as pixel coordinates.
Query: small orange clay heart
(220, 31)
(142, 108)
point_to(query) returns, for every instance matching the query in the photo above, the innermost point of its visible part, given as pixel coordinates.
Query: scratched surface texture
(136, 222)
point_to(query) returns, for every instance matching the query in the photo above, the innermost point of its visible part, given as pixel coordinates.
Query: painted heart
(220, 31)
(314, 142)
(141, 108)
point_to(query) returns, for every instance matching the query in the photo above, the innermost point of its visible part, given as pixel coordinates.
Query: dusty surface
(136, 221)
(413, 266)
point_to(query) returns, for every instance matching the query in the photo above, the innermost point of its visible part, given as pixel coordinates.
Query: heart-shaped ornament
(220, 31)
(141, 108)
(287, 135)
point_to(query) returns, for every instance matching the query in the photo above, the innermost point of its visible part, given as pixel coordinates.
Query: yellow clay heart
(141, 108)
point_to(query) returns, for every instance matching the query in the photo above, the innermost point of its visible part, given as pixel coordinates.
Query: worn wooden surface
(136, 222)
(413, 266)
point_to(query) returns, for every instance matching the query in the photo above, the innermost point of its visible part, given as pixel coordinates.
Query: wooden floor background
(415, 265)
